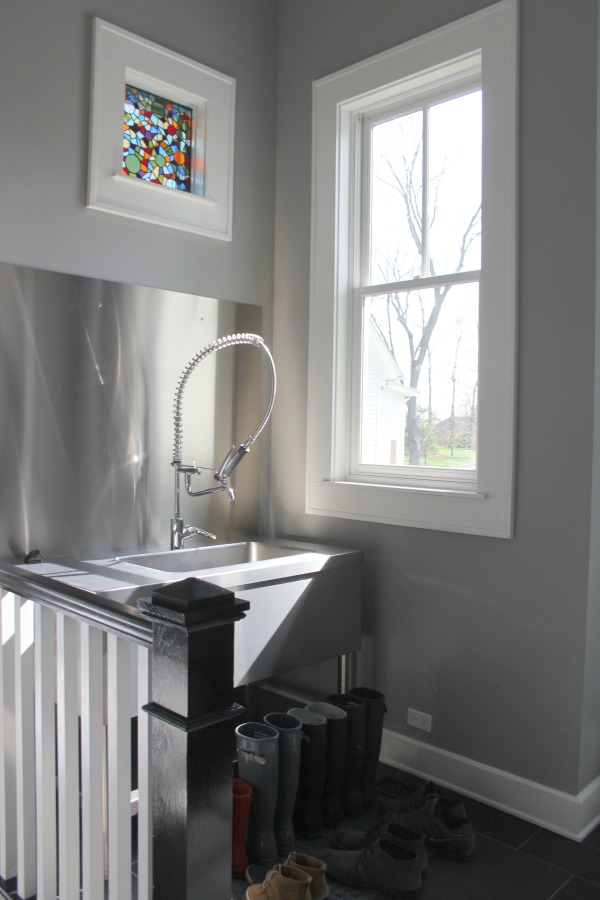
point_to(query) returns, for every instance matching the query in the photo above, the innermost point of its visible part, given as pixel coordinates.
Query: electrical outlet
(418, 719)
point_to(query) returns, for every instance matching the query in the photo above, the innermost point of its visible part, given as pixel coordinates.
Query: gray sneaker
(392, 796)
(352, 839)
(444, 825)
(382, 866)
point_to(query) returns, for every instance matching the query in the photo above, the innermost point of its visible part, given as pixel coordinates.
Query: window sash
(364, 122)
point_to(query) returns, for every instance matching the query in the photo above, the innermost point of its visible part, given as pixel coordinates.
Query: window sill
(439, 509)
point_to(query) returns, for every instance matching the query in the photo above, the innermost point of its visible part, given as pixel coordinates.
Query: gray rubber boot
(258, 765)
(374, 712)
(308, 815)
(335, 760)
(290, 738)
(355, 708)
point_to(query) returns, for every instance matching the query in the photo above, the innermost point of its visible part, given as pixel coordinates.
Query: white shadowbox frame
(121, 58)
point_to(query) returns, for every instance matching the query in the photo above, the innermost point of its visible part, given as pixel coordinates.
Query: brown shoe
(282, 883)
(319, 889)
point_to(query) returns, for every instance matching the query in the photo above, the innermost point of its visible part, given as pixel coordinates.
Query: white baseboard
(574, 816)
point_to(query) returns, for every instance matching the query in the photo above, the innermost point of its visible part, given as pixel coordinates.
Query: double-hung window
(412, 339)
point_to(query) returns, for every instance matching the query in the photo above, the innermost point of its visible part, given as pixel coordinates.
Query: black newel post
(193, 742)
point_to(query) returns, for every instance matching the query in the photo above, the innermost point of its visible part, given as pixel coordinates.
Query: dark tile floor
(512, 860)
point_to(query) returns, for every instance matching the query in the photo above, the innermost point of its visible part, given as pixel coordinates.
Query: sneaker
(380, 866)
(352, 839)
(444, 825)
(393, 796)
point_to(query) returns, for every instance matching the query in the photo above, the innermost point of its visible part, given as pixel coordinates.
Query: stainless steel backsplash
(88, 371)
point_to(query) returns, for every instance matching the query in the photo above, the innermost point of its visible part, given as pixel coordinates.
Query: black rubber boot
(308, 815)
(335, 760)
(258, 765)
(355, 708)
(290, 737)
(374, 712)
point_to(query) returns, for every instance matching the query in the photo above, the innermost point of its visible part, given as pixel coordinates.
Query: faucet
(180, 532)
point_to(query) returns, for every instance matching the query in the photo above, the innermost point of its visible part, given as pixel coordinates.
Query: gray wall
(496, 639)
(489, 636)
(45, 62)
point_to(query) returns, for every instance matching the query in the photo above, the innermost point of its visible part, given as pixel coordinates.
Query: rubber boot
(374, 712)
(290, 738)
(355, 708)
(335, 760)
(258, 765)
(242, 804)
(308, 815)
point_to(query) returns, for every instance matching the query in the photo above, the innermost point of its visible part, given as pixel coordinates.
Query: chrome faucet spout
(179, 531)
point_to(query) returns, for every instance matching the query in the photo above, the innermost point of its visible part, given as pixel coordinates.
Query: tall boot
(335, 760)
(308, 815)
(374, 710)
(258, 765)
(242, 804)
(355, 708)
(290, 738)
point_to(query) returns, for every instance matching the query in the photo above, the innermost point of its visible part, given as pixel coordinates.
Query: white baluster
(45, 761)
(144, 777)
(25, 746)
(119, 767)
(92, 762)
(8, 794)
(67, 703)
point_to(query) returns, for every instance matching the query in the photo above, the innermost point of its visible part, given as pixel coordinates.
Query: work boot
(352, 839)
(282, 883)
(374, 712)
(443, 823)
(380, 866)
(316, 868)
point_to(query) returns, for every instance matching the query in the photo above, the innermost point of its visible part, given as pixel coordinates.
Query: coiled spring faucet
(179, 531)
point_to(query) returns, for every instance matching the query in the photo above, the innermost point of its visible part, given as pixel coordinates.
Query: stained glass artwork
(157, 141)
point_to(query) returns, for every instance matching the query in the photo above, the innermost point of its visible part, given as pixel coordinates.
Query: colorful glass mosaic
(157, 140)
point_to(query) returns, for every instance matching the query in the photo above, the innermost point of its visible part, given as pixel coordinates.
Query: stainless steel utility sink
(198, 559)
(305, 598)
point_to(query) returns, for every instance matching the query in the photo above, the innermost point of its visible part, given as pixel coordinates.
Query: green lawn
(462, 458)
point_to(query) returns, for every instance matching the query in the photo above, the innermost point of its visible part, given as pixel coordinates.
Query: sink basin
(200, 558)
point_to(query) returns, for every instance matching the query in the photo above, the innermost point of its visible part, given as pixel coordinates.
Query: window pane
(420, 378)
(454, 164)
(157, 135)
(396, 199)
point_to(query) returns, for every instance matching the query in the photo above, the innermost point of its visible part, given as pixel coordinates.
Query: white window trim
(121, 58)
(486, 508)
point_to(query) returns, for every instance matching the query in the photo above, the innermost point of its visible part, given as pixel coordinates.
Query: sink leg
(346, 672)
